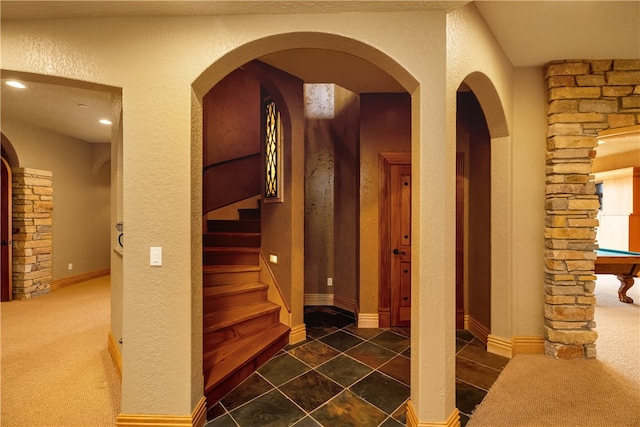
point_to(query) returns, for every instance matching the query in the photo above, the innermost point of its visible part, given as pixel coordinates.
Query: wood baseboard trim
(476, 328)
(412, 419)
(368, 320)
(517, 345)
(197, 418)
(499, 346)
(344, 303)
(527, 345)
(298, 334)
(68, 281)
(318, 299)
(114, 351)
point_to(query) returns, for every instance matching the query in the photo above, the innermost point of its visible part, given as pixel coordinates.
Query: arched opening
(337, 150)
(473, 217)
(8, 159)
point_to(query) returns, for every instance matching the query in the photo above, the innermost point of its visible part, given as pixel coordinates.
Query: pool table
(625, 265)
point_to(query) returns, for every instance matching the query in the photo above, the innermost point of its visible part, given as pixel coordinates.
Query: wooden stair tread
(233, 233)
(241, 352)
(212, 291)
(251, 249)
(224, 318)
(229, 268)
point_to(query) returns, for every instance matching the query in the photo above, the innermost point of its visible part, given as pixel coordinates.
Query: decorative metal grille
(271, 150)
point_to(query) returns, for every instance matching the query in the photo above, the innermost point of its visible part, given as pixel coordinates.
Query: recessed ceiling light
(16, 84)
(105, 121)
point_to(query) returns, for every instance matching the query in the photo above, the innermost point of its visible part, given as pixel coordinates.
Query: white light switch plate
(155, 256)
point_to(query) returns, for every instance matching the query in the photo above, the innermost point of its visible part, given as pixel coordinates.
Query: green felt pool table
(625, 265)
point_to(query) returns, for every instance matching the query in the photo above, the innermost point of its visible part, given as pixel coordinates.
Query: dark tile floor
(343, 376)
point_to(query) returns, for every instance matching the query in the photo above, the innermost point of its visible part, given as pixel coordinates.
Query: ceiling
(531, 33)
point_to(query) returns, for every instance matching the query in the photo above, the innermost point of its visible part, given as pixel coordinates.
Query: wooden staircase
(241, 327)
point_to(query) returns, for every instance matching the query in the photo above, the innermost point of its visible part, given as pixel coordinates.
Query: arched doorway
(293, 218)
(482, 280)
(289, 43)
(473, 213)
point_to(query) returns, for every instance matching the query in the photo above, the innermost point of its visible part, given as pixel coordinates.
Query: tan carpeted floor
(537, 390)
(56, 370)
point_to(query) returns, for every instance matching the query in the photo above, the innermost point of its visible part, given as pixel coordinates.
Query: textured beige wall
(81, 195)
(385, 126)
(331, 192)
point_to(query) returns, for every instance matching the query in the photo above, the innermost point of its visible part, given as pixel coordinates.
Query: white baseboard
(318, 299)
(368, 320)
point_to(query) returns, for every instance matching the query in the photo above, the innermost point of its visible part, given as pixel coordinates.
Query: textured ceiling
(532, 33)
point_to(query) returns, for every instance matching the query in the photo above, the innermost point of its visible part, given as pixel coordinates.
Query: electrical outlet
(329, 281)
(70, 266)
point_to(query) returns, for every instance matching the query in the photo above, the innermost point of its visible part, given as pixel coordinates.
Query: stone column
(584, 97)
(32, 225)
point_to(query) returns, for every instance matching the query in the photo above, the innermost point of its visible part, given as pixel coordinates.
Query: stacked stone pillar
(32, 223)
(584, 97)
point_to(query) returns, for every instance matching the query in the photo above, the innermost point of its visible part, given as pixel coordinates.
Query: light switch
(155, 255)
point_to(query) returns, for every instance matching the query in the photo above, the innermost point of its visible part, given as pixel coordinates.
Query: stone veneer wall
(584, 97)
(31, 222)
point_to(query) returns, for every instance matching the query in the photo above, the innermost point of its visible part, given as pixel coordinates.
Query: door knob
(397, 252)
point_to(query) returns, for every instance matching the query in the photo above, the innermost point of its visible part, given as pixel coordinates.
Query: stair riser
(212, 338)
(212, 279)
(246, 226)
(223, 302)
(230, 258)
(231, 240)
(219, 390)
(249, 214)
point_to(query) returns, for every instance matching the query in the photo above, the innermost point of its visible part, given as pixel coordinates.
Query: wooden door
(400, 213)
(5, 233)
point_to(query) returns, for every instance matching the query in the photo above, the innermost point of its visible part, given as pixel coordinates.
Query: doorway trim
(385, 161)
(7, 287)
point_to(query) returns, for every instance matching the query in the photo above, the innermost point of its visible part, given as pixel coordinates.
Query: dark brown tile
(344, 370)
(392, 422)
(249, 389)
(315, 333)
(311, 390)
(269, 410)
(215, 411)
(475, 374)
(477, 352)
(400, 414)
(370, 354)
(314, 353)
(223, 421)
(399, 368)
(306, 422)
(464, 335)
(468, 397)
(283, 368)
(348, 410)
(366, 333)
(341, 340)
(392, 341)
(384, 392)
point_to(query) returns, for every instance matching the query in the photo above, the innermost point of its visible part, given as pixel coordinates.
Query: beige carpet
(537, 390)
(56, 370)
